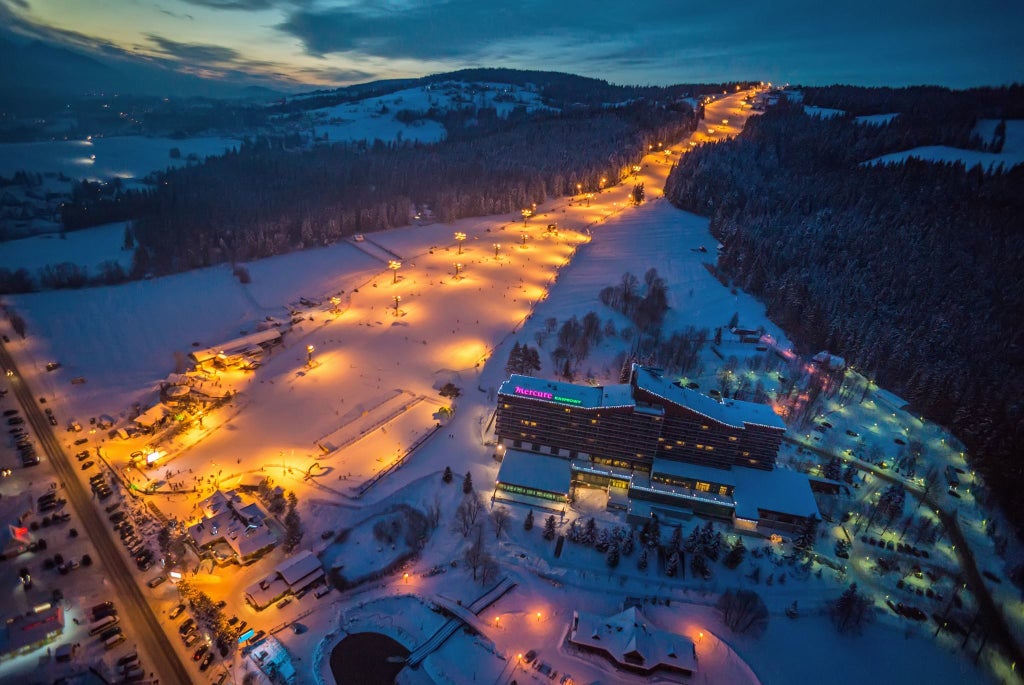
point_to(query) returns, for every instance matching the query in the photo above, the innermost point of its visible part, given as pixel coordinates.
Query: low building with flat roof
(291, 577)
(27, 632)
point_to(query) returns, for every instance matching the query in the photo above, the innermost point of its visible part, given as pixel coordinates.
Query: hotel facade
(655, 446)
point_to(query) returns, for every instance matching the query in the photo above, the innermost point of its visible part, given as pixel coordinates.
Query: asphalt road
(126, 595)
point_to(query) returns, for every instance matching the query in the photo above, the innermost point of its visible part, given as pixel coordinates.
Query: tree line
(913, 272)
(267, 198)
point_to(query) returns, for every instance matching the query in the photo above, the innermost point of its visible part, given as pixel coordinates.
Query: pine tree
(613, 555)
(515, 360)
(447, 477)
(589, 532)
(699, 566)
(714, 549)
(528, 523)
(641, 561)
(672, 565)
(603, 541)
(467, 483)
(549, 527)
(807, 535)
(736, 554)
(627, 544)
(676, 540)
(692, 541)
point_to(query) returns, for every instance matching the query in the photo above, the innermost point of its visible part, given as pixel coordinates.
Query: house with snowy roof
(633, 643)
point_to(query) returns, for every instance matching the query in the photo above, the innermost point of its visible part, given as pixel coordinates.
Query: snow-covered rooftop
(537, 471)
(631, 639)
(298, 567)
(734, 413)
(562, 393)
(781, 491)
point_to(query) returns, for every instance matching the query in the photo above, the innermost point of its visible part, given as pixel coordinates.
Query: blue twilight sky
(336, 42)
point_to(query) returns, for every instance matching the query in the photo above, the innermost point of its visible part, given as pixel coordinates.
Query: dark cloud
(451, 28)
(237, 4)
(197, 54)
(176, 15)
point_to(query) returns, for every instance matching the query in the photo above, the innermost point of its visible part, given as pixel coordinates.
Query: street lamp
(527, 213)
(603, 181)
(394, 265)
(524, 238)
(579, 188)
(398, 298)
(458, 269)
(459, 237)
(309, 355)
(497, 248)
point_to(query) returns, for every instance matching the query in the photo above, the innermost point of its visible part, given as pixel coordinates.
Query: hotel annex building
(654, 446)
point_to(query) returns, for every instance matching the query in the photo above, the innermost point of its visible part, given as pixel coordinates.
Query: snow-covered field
(822, 112)
(876, 119)
(375, 118)
(124, 157)
(1011, 155)
(88, 248)
(124, 339)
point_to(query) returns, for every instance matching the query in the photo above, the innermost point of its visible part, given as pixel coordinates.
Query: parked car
(207, 660)
(200, 652)
(176, 611)
(191, 638)
(86, 465)
(155, 582)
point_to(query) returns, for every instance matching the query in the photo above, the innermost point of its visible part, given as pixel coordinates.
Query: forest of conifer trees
(913, 272)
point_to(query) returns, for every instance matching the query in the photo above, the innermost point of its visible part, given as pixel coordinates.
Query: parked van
(114, 641)
(135, 674)
(98, 626)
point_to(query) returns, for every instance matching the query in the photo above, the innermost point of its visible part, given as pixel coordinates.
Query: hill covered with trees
(913, 272)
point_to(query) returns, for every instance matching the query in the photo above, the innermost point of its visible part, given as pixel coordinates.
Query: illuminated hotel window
(733, 438)
(703, 487)
(703, 428)
(746, 454)
(710, 448)
(723, 490)
(593, 421)
(700, 447)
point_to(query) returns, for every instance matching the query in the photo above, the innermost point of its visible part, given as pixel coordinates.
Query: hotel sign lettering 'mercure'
(540, 394)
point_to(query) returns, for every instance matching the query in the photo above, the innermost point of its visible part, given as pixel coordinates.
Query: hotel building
(655, 446)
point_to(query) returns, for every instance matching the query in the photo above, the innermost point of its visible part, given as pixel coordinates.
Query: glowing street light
(394, 265)
(309, 355)
(458, 269)
(524, 238)
(579, 188)
(527, 213)
(497, 248)
(603, 182)
(406, 576)
(459, 237)
(398, 298)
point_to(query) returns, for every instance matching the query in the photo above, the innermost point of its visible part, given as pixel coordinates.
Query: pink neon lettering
(534, 393)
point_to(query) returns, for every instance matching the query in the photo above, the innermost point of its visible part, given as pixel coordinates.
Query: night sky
(288, 43)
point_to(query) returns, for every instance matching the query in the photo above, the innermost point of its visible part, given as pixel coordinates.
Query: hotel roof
(570, 394)
(736, 413)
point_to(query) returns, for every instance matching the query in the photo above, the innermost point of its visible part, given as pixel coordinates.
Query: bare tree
(500, 517)
(476, 556)
(743, 611)
(434, 512)
(467, 514)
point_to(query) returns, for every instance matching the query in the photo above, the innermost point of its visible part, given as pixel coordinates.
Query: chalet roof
(631, 634)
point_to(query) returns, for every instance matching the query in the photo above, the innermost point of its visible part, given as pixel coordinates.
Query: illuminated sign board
(540, 394)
